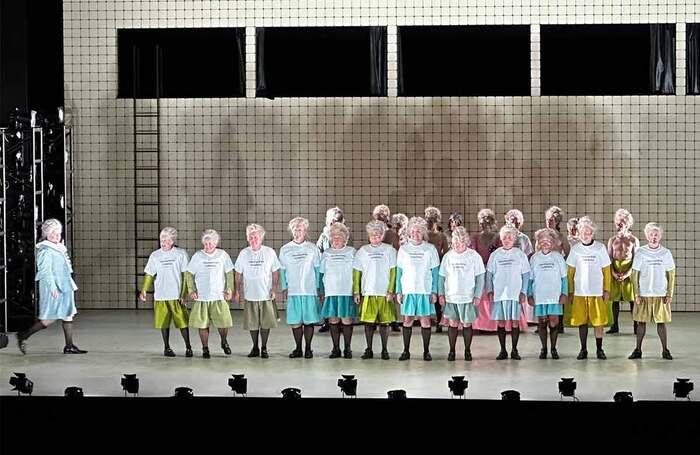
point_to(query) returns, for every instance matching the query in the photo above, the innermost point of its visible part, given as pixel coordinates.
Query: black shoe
(405, 355)
(254, 352)
(395, 327)
(613, 329)
(385, 355)
(308, 354)
(543, 353)
(427, 357)
(188, 352)
(335, 353)
(205, 353)
(347, 354)
(296, 354)
(555, 354)
(600, 354)
(368, 354)
(666, 354)
(636, 354)
(514, 355)
(21, 344)
(324, 328)
(264, 354)
(451, 356)
(502, 355)
(468, 356)
(73, 349)
(582, 354)
(226, 348)
(168, 352)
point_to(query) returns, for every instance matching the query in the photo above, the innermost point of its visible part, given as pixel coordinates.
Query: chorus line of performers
(409, 271)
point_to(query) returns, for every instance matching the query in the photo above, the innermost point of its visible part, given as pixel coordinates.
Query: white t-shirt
(652, 265)
(299, 262)
(209, 272)
(375, 263)
(523, 242)
(507, 268)
(336, 267)
(256, 268)
(460, 271)
(167, 267)
(547, 271)
(589, 262)
(417, 263)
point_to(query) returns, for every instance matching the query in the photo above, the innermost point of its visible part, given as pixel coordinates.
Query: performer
(299, 278)
(507, 279)
(383, 214)
(572, 232)
(56, 288)
(257, 274)
(167, 267)
(460, 286)
(455, 220)
(654, 279)
(417, 268)
(336, 278)
(399, 221)
(621, 249)
(484, 243)
(548, 289)
(515, 218)
(333, 215)
(209, 280)
(553, 218)
(438, 239)
(374, 278)
(589, 284)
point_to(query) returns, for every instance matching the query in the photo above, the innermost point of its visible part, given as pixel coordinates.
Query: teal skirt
(417, 305)
(302, 309)
(339, 306)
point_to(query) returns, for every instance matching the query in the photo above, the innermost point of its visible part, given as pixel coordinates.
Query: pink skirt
(484, 322)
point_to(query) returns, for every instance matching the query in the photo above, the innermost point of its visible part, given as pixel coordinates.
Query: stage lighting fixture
(682, 387)
(457, 386)
(567, 388)
(238, 384)
(398, 394)
(60, 115)
(73, 392)
(291, 393)
(130, 384)
(510, 395)
(183, 392)
(348, 385)
(21, 383)
(623, 397)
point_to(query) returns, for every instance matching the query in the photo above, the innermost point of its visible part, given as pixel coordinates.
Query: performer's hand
(476, 301)
(228, 295)
(55, 293)
(522, 298)
(442, 300)
(142, 296)
(667, 300)
(490, 296)
(531, 301)
(563, 299)
(399, 298)
(273, 296)
(389, 297)
(237, 298)
(320, 297)
(356, 298)
(606, 296)
(433, 298)
(637, 299)
(193, 296)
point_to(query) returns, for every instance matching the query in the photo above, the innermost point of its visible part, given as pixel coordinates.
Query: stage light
(623, 397)
(567, 388)
(510, 395)
(60, 115)
(348, 385)
(457, 386)
(21, 383)
(238, 384)
(73, 392)
(398, 394)
(682, 387)
(130, 384)
(183, 392)
(291, 393)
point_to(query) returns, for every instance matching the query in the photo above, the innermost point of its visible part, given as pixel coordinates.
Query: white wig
(399, 219)
(339, 230)
(212, 235)
(625, 215)
(334, 215)
(517, 214)
(296, 222)
(457, 219)
(486, 216)
(375, 226)
(571, 224)
(653, 227)
(508, 230)
(252, 228)
(547, 233)
(417, 222)
(169, 232)
(433, 215)
(554, 212)
(460, 235)
(382, 213)
(49, 226)
(586, 222)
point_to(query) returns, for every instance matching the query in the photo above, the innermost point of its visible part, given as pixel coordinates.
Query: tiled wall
(229, 162)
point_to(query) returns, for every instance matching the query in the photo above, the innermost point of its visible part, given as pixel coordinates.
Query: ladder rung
(38, 161)
(37, 193)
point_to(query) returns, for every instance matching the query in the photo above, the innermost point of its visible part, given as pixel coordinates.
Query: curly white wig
(375, 226)
(339, 230)
(653, 227)
(417, 222)
(486, 216)
(382, 213)
(460, 235)
(294, 222)
(515, 213)
(571, 224)
(508, 230)
(547, 233)
(625, 215)
(211, 235)
(169, 231)
(399, 220)
(49, 226)
(586, 222)
(554, 212)
(433, 215)
(252, 228)
(334, 215)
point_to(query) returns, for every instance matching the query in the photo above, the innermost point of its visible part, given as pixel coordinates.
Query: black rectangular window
(629, 59)
(464, 60)
(692, 58)
(181, 63)
(320, 61)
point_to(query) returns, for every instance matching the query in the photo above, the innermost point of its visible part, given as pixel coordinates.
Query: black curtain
(662, 59)
(377, 49)
(692, 61)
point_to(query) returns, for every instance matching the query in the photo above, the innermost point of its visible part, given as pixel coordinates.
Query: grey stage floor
(124, 342)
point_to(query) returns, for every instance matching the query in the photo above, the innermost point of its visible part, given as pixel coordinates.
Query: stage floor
(122, 341)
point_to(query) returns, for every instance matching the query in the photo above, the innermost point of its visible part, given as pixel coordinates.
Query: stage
(124, 341)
